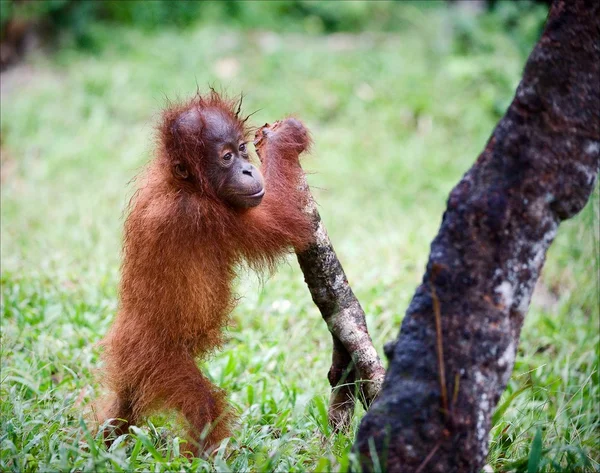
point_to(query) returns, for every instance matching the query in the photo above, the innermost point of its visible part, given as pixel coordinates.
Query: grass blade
(535, 454)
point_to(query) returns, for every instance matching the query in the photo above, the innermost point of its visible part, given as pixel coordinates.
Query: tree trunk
(457, 345)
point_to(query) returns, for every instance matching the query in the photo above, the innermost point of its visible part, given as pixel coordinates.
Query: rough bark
(538, 168)
(355, 365)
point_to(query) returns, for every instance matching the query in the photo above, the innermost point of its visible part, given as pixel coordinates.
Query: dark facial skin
(227, 167)
(231, 174)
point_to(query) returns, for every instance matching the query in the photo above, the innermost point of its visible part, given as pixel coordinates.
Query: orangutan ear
(180, 171)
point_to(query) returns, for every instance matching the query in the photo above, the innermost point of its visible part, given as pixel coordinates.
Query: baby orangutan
(201, 209)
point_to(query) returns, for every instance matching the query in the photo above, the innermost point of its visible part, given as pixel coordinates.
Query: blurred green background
(400, 97)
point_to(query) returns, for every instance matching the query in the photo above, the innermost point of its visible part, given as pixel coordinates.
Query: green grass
(397, 119)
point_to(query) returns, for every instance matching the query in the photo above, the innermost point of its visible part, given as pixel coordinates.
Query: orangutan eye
(228, 157)
(243, 147)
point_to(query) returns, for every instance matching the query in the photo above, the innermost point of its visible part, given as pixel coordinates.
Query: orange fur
(181, 248)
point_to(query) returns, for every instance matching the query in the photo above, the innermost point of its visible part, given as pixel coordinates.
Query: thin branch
(354, 357)
(440, 349)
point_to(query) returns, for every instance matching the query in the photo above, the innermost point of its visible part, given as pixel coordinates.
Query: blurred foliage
(522, 20)
(74, 17)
